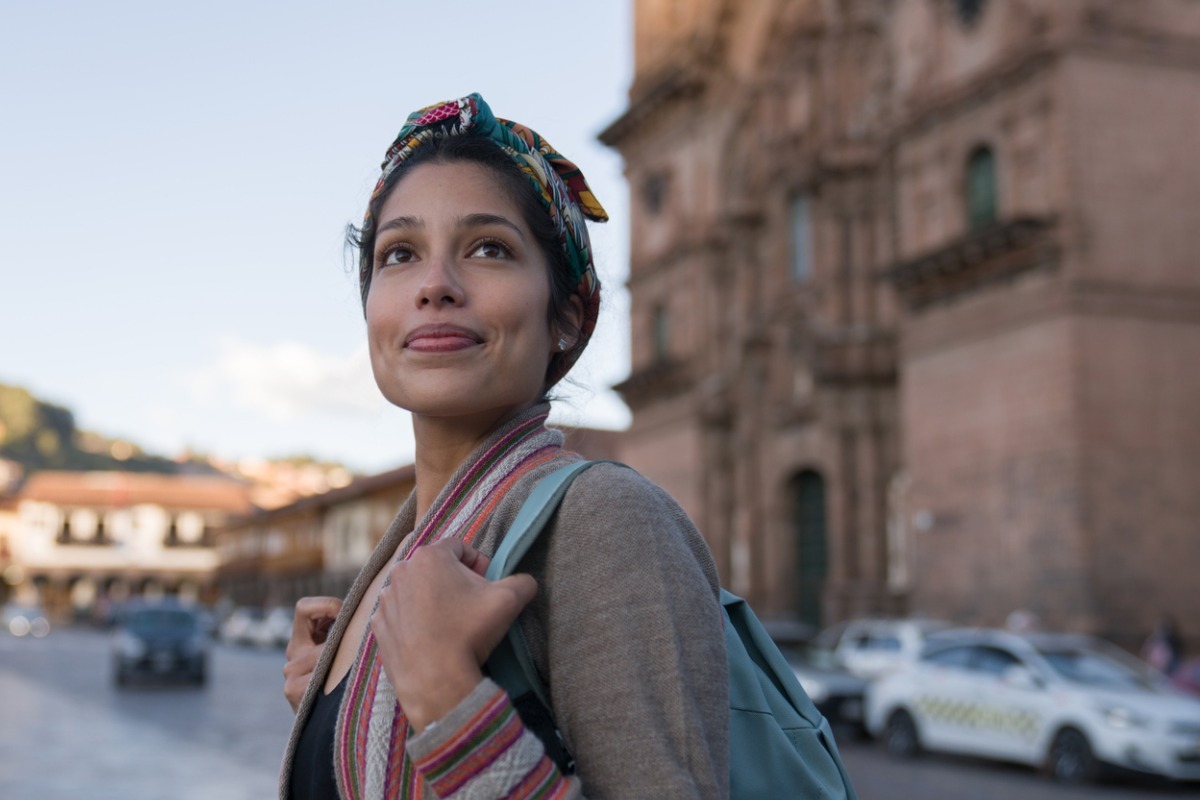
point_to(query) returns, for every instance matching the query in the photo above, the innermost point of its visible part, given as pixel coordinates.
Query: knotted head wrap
(557, 182)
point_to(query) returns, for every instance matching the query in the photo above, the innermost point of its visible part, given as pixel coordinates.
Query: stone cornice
(934, 109)
(651, 98)
(711, 246)
(653, 383)
(976, 259)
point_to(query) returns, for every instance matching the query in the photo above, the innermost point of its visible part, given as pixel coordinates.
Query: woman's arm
(633, 641)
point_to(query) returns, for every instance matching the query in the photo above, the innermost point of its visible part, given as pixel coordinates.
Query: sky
(175, 184)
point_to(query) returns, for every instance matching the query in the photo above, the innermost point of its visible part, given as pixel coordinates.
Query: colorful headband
(558, 182)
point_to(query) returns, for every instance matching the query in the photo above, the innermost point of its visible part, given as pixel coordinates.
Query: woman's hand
(310, 626)
(438, 620)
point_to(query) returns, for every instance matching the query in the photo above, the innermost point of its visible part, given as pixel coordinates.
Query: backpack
(780, 746)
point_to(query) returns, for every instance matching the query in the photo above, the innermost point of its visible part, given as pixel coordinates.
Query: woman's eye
(395, 255)
(490, 250)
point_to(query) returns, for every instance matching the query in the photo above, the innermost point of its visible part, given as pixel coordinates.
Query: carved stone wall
(919, 277)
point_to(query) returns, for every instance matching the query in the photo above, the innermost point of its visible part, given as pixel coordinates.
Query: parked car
(163, 639)
(870, 648)
(1187, 676)
(836, 693)
(239, 626)
(1068, 703)
(21, 619)
(273, 630)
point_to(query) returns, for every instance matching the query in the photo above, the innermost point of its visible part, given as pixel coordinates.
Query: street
(67, 732)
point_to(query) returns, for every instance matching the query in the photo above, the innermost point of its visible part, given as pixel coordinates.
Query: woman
(479, 294)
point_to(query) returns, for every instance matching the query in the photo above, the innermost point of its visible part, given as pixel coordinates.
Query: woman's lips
(441, 339)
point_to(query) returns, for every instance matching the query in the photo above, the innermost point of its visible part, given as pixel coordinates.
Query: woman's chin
(455, 394)
(459, 404)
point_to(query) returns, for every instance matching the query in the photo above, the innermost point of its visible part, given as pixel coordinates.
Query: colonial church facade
(915, 298)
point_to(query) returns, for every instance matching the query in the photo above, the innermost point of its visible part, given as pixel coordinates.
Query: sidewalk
(54, 747)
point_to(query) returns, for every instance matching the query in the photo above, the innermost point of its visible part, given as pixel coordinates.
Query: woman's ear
(568, 330)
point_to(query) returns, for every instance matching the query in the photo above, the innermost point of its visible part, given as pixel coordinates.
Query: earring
(562, 344)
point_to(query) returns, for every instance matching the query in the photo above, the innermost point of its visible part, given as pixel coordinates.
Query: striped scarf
(369, 754)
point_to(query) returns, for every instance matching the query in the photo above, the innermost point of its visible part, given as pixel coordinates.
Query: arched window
(969, 11)
(654, 192)
(981, 188)
(807, 491)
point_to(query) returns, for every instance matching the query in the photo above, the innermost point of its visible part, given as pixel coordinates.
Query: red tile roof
(119, 489)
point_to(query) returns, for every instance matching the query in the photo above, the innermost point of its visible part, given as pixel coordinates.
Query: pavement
(58, 746)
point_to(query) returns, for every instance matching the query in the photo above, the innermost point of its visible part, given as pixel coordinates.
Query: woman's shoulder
(613, 513)
(619, 490)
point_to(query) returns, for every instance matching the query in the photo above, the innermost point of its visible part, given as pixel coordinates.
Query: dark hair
(487, 154)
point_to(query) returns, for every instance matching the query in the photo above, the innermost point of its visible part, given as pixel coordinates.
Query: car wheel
(1070, 758)
(900, 735)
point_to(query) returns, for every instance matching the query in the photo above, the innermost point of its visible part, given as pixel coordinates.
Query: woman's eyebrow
(479, 219)
(400, 223)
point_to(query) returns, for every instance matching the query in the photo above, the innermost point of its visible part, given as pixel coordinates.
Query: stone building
(916, 301)
(82, 538)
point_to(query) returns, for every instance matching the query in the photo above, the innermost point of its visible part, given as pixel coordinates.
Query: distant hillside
(39, 436)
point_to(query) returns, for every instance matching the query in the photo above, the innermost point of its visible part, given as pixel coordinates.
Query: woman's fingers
(438, 620)
(437, 602)
(297, 672)
(474, 560)
(312, 620)
(523, 587)
(310, 625)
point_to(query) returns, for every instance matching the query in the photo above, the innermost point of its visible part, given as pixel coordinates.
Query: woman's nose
(439, 285)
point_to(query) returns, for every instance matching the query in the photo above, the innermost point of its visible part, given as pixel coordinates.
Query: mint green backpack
(779, 744)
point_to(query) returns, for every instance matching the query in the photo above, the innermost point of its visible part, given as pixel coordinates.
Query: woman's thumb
(522, 585)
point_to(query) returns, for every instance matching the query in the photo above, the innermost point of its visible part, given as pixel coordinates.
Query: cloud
(288, 380)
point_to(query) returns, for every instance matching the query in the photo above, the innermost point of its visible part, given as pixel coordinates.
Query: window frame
(981, 188)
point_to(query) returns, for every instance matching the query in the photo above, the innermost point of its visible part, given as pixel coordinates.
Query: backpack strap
(511, 664)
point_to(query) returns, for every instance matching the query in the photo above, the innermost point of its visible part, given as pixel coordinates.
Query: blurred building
(278, 482)
(86, 538)
(8, 531)
(313, 546)
(916, 301)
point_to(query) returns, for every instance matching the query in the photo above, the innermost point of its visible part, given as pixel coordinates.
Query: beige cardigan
(626, 631)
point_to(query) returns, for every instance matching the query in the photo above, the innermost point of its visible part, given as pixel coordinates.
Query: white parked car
(25, 620)
(1067, 703)
(870, 648)
(240, 626)
(274, 629)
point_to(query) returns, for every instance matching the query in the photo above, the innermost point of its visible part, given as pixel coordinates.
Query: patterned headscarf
(559, 184)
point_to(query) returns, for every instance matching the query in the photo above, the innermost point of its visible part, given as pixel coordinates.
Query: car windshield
(162, 620)
(1093, 668)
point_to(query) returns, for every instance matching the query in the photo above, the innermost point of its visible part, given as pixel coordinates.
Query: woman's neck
(443, 444)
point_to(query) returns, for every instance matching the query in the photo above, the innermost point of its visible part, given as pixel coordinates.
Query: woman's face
(457, 309)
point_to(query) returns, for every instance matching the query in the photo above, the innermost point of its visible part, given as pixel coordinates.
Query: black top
(312, 767)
